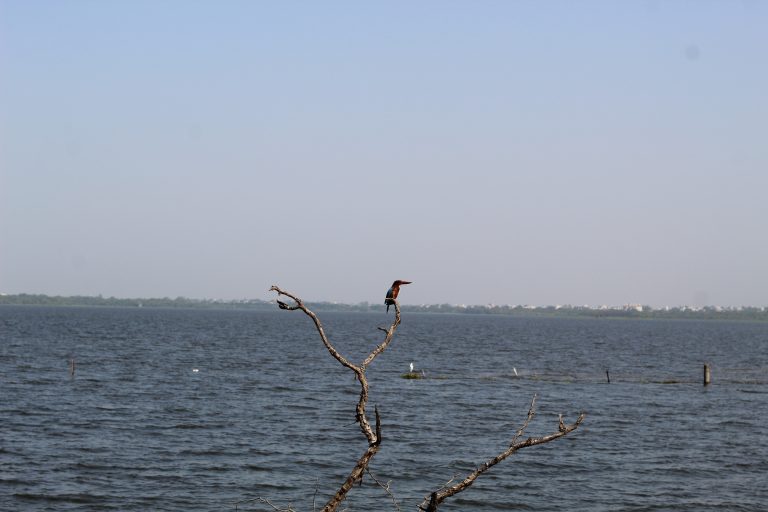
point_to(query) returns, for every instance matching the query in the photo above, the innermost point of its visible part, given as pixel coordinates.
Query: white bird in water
(195, 370)
(411, 367)
(514, 370)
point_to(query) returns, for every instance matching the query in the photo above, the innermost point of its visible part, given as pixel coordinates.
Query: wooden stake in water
(707, 375)
(607, 376)
(71, 367)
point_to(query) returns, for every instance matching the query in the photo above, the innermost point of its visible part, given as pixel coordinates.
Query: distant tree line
(682, 312)
(25, 299)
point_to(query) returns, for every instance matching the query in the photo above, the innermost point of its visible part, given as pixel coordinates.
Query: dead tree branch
(373, 434)
(434, 499)
(374, 437)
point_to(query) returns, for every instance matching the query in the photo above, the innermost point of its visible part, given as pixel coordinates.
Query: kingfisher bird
(392, 293)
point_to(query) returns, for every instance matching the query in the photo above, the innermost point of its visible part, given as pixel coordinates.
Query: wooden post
(607, 376)
(71, 367)
(707, 375)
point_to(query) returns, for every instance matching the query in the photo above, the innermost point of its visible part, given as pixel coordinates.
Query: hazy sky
(491, 152)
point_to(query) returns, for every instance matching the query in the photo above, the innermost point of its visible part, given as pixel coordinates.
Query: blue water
(270, 414)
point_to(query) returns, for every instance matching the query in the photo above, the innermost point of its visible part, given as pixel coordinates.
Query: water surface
(269, 413)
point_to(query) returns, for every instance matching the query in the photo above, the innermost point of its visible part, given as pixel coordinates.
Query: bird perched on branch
(393, 292)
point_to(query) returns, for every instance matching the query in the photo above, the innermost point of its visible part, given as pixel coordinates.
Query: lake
(196, 410)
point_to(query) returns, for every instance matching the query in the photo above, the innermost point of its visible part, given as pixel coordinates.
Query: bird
(393, 291)
(411, 367)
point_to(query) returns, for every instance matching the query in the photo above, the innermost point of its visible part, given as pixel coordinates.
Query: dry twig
(385, 487)
(266, 502)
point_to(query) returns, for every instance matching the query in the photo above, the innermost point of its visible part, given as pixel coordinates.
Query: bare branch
(360, 416)
(531, 414)
(283, 305)
(374, 437)
(385, 487)
(431, 502)
(265, 501)
(389, 334)
(378, 425)
(355, 476)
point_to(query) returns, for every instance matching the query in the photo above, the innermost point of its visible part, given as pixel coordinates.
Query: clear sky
(492, 152)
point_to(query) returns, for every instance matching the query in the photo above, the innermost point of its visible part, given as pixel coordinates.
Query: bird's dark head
(399, 282)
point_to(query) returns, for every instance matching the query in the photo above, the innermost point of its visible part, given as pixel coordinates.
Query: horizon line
(603, 306)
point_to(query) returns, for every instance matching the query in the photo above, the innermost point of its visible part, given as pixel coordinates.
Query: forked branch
(373, 436)
(432, 501)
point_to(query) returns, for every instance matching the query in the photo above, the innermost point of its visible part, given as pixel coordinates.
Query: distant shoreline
(629, 311)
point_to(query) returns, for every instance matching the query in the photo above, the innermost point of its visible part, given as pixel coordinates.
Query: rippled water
(269, 413)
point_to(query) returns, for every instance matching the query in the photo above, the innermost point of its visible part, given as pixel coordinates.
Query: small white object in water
(195, 370)
(514, 370)
(411, 367)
